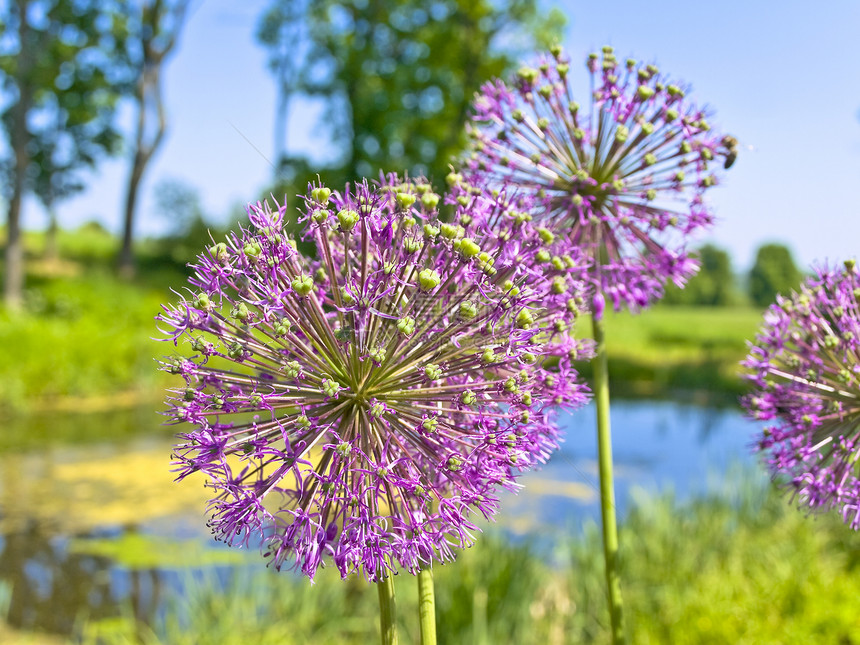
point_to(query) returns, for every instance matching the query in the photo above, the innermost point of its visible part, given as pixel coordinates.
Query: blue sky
(782, 77)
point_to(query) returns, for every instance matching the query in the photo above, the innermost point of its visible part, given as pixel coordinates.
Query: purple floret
(361, 408)
(805, 366)
(622, 174)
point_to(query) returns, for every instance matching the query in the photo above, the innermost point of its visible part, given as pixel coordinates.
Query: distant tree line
(65, 68)
(716, 285)
(396, 77)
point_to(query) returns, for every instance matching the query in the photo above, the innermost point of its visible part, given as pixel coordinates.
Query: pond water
(90, 523)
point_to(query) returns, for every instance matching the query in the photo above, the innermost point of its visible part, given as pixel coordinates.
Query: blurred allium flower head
(362, 407)
(623, 173)
(805, 365)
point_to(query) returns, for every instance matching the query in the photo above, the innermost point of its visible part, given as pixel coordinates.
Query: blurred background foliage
(396, 79)
(738, 566)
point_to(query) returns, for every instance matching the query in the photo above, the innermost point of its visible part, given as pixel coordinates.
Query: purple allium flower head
(362, 407)
(623, 173)
(805, 365)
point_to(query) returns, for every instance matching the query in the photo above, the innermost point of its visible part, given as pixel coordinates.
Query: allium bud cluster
(622, 174)
(360, 408)
(805, 365)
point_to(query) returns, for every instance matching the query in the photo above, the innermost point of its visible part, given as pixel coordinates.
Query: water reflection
(53, 589)
(68, 512)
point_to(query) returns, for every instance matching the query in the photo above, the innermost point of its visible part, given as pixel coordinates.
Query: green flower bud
(671, 115)
(302, 285)
(343, 449)
(559, 285)
(525, 319)
(330, 388)
(432, 371)
(546, 236)
(621, 134)
(240, 312)
(468, 248)
(236, 351)
(412, 245)
(321, 216)
(404, 200)
(431, 231)
(467, 310)
(406, 326)
(428, 279)
(292, 369)
(219, 252)
(347, 218)
(643, 93)
(528, 74)
(303, 421)
(202, 302)
(252, 250)
(429, 200)
(453, 178)
(454, 464)
(429, 425)
(489, 356)
(518, 116)
(650, 159)
(468, 398)
(320, 195)
(449, 231)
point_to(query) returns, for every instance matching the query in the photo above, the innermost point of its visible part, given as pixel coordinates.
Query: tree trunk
(13, 282)
(149, 89)
(126, 255)
(52, 248)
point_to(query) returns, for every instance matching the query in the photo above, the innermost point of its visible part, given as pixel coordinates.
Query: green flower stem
(607, 487)
(387, 610)
(427, 607)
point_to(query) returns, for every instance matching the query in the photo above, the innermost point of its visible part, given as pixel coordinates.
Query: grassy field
(668, 349)
(742, 568)
(85, 337)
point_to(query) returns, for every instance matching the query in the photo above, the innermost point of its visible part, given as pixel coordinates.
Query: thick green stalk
(607, 485)
(427, 607)
(387, 611)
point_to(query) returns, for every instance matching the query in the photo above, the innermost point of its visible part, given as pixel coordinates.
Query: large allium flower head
(360, 408)
(623, 173)
(805, 365)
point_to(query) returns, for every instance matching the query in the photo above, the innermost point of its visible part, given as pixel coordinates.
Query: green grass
(743, 568)
(86, 333)
(678, 348)
(83, 333)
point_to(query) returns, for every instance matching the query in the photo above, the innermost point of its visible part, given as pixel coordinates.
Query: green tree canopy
(397, 77)
(58, 72)
(712, 286)
(773, 272)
